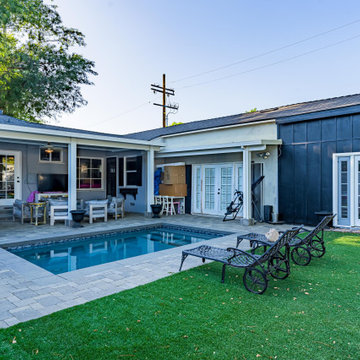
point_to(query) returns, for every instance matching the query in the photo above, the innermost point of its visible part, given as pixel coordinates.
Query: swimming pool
(82, 252)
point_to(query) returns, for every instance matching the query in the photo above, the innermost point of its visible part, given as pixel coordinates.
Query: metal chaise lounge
(273, 261)
(312, 245)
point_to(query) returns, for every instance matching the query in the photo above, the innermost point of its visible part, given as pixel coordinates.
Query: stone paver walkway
(28, 291)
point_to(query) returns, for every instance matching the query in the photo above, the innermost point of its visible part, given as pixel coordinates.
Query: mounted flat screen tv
(52, 182)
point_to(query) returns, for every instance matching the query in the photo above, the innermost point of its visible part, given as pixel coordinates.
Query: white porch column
(150, 179)
(72, 150)
(247, 208)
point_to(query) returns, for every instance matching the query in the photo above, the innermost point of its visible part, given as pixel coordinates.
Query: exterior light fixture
(264, 155)
(49, 149)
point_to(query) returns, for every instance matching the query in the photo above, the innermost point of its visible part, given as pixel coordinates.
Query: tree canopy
(40, 74)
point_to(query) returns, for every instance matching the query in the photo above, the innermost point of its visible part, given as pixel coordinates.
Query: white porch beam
(150, 179)
(247, 211)
(89, 140)
(72, 155)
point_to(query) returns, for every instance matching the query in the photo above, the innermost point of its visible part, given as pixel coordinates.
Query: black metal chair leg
(183, 257)
(223, 273)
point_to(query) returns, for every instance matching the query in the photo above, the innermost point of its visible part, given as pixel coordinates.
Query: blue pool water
(82, 252)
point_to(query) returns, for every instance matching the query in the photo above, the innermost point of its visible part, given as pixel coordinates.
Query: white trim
(346, 154)
(247, 213)
(335, 187)
(76, 135)
(93, 143)
(357, 191)
(254, 145)
(352, 191)
(260, 122)
(17, 176)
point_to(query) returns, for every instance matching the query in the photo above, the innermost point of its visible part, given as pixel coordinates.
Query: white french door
(211, 190)
(357, 190)
(346, 199)
(226, 187)
(10, 176)
(214, 187)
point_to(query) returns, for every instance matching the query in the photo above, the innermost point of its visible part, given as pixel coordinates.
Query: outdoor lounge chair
(312, 245)
(274, 261)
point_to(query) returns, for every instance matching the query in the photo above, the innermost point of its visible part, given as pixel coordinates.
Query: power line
(123, 113)
(266, 53)
(272, 64)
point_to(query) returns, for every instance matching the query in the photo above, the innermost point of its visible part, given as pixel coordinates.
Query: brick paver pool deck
(28, 291)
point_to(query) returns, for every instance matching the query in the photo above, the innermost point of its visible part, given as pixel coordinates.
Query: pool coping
(77, 237)
(29, 291)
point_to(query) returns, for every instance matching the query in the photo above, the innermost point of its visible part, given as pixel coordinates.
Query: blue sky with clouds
(134, 42)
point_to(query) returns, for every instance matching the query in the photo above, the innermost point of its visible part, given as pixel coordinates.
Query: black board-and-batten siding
(305, 163)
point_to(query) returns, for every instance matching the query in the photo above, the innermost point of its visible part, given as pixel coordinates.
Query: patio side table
(35, 213)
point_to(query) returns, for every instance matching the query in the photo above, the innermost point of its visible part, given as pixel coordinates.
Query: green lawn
(313, 314)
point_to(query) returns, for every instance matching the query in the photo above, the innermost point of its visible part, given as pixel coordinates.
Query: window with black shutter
(130, 171)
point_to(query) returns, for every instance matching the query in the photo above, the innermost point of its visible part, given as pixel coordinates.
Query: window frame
(78, 178)
(126, 171)
(50, 161)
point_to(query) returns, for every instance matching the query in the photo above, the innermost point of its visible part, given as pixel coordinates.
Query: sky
(221, 57)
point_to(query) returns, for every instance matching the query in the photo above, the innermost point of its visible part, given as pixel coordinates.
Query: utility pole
(164, 100)
(165, 92)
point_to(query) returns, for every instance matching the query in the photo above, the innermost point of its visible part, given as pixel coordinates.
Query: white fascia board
(221, 147)
(23, 132)
(207, 152)
(260, 122)
(212, 151)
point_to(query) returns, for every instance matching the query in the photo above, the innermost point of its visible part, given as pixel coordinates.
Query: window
(89, 173)
(7, 172)
(55, 155)
(130, 171)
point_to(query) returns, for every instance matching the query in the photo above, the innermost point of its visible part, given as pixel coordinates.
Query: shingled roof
(276, 113)
(262, 115)
(9, 120)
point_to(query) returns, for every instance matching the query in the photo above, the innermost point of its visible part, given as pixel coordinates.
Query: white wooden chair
(96, 209)
(58, 210)
(168, 207)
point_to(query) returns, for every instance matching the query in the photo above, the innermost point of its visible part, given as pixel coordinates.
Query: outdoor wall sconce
(263, 155)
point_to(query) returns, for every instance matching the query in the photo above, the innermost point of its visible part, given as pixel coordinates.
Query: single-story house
(308, 153)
